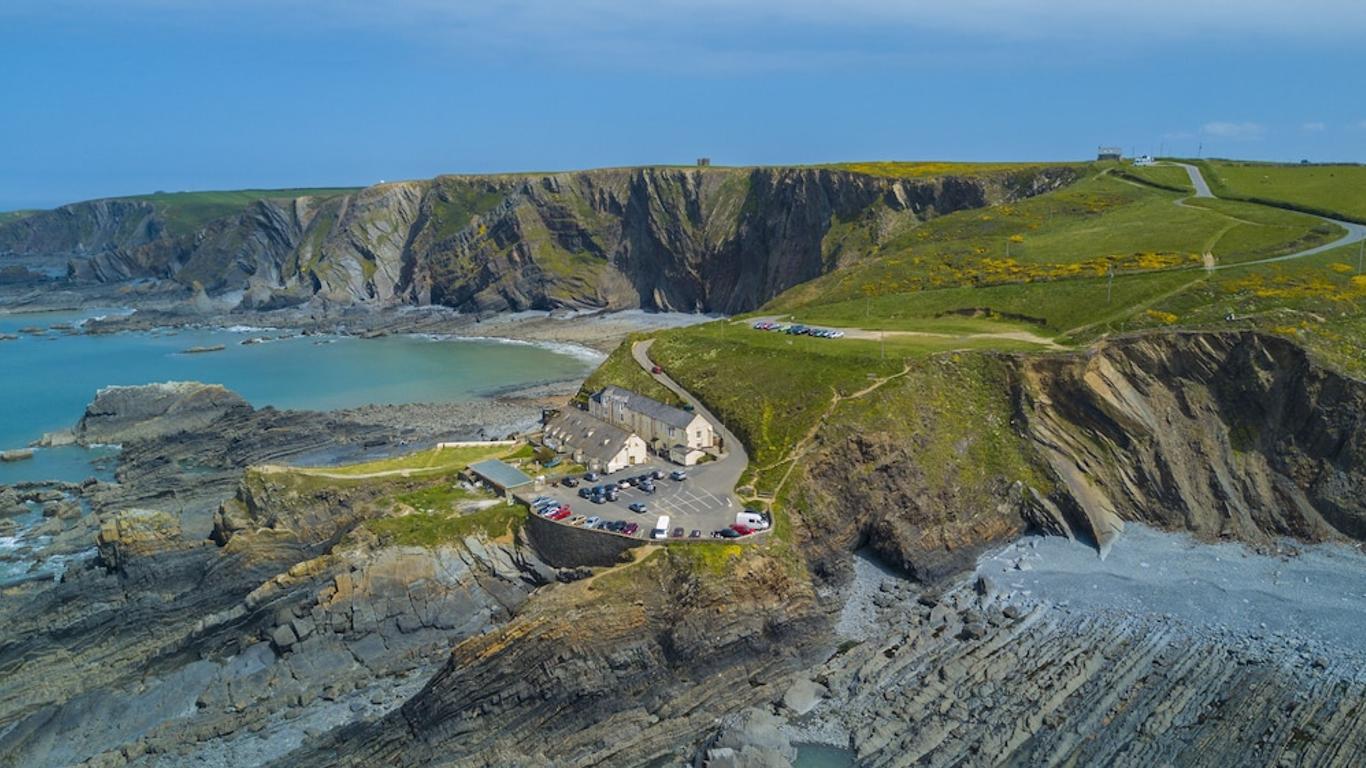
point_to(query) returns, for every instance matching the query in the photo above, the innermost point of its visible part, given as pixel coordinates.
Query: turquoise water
(46, 381)
(822, 756)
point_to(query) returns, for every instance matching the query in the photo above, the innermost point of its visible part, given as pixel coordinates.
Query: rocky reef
(716, 240)
(258, 618)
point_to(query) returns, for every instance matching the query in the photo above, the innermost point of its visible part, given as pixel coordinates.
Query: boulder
(803, 696)
(134, 532)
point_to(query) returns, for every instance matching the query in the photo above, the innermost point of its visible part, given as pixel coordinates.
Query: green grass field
(935, 169)
(1334, 190)
(7, 217)
(421, 529)
(1161, 175)
(429, 461)
(186, 212)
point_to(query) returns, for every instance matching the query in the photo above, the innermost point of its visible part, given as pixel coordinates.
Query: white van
(755, 521)
(661, 530)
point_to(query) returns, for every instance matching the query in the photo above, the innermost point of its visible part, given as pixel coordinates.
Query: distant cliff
(679, 239)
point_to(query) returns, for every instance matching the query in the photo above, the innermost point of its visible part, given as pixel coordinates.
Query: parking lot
(694, 504)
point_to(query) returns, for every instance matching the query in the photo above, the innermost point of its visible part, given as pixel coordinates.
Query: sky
(112, 97)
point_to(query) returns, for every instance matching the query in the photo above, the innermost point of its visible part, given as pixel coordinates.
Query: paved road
(1197, 180)
(725, 471)
(1355, 232)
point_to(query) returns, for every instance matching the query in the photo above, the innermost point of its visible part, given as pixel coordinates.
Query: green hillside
(1078, 233)
(926, 311)
(186, 212)
(1332, 190)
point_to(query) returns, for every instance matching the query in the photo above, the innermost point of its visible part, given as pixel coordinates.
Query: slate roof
(582, 431)
(500, 474)
(634, 401)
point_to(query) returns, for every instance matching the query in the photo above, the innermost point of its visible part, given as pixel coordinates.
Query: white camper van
(751, 519)
(661, 530)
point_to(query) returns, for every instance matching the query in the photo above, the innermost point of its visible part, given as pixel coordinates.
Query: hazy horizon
(133, 96)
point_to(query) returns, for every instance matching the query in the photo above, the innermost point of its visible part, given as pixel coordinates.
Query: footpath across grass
(429, 461)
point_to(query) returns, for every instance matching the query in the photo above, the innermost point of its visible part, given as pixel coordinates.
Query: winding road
(726, 470)
(1355, 232)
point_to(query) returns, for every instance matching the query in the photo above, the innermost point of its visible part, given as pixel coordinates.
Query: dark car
(728, 533)
(656, 370)
(656, 474)
(696, 534)
(610, 496)
(630, 529)
(591, 477)
(647, 487)
(598, 498)
(678, 474)
(626, 482)
(585, 492)
(569, 482)
(638, 507)
(678, 532)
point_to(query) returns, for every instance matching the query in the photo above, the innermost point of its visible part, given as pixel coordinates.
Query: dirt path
(877, 335)
(799, 450)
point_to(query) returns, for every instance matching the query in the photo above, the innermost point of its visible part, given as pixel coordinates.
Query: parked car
(648, 487)
(598, 498)
(678, 532)
(585, 492)
(592, 522)
(678, 474)
(569, 482)
(591, 477)
(637, 507)
(562, 514)
(743, 530)
(656, 474)
(541, 500)
(696, 534)
(630, 529)
(576, 520)
(656, 370)
(611, 495)
(626, 482)
(726, 533)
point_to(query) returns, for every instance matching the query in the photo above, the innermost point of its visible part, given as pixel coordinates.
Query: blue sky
(127, 96)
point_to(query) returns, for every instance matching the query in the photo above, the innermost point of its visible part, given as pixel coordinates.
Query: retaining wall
(568, 546)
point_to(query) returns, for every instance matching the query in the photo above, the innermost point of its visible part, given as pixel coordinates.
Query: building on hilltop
(662, 426)
(592, 442)
(703, 162)
(1109, 153)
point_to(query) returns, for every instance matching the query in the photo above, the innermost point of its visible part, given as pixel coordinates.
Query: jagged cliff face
(1236, 435)
(715, 239)
(1224, 435)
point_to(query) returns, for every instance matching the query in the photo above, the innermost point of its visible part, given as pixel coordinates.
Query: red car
(562, 514)
(656, 369)
(630, 529)
(743, 530)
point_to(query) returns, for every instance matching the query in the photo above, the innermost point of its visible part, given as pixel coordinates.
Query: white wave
(579, 351)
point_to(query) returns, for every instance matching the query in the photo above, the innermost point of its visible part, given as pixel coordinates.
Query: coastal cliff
(716, 240)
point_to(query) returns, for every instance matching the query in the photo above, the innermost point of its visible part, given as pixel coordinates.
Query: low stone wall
(568, 546)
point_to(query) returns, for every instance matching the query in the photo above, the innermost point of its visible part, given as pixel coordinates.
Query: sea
(47, 379)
